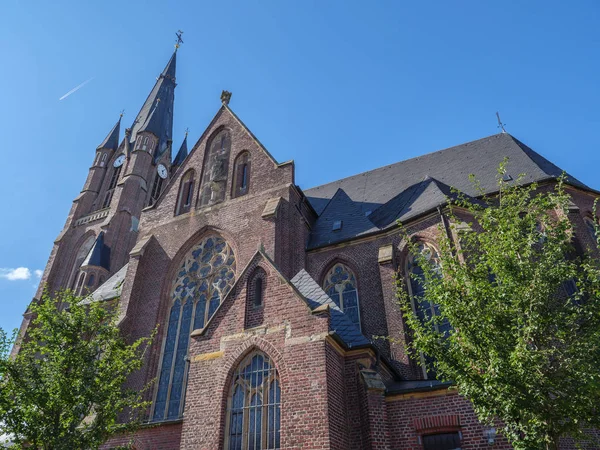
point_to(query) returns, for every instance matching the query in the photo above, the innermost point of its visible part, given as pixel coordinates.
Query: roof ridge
(406, 160)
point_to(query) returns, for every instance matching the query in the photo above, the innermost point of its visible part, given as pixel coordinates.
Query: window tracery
(340, 285)
(424, 309)
(591, 226)
(204, 278)
(254, 406)
(214, 173)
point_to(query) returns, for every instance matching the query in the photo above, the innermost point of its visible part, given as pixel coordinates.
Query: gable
(265, 172)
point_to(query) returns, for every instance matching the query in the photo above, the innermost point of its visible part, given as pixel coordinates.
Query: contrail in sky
(75, 89)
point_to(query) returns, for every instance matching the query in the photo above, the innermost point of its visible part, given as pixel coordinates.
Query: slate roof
(111, 141)
(339, 322)
(181, 154)
(99, 254)
(111, 288)
(374, 200)
(156, 115)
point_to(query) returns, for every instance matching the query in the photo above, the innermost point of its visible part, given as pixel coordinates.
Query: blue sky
(338, 86)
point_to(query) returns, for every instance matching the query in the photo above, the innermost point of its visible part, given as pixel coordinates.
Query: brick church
(268, 296)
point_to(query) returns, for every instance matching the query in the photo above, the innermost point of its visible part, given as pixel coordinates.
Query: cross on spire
(500, 124)
(179, 39)
(187, 130)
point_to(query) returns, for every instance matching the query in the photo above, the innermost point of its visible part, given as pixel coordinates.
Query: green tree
(65, 387)
(524, 310)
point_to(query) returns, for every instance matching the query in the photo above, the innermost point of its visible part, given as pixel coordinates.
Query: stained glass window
(214, 172)
(340, 285)
(425, 310)
(203, 280)
(253, 410)
(591, 226)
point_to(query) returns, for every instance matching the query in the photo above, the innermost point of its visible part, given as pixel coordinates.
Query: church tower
(124, 178)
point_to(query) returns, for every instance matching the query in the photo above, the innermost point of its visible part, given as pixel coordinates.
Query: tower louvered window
(340, 285)
(254, 406)
(111, 187)
(205, 276)
(156, 189)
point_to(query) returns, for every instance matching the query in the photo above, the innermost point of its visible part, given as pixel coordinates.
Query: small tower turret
(181, 154)
(97, 172)
(95, 267)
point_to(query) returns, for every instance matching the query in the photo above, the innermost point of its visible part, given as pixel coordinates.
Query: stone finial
(386, 254)
(225, 97)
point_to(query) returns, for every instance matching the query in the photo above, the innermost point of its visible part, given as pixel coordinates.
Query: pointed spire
(111, 141)
(99, 254)
(182, 153)
(156, 115)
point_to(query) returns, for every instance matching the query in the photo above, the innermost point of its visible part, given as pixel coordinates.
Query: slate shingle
(419, 185)
(339, 323)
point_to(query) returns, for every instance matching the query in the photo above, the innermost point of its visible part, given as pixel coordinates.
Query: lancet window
(340, 285)
(156, 189)
(186, 192)
(424, 309)
(254, 406)
(214, 172)
(111, 186)
(241, 175)
(204, 278)
(591, 226)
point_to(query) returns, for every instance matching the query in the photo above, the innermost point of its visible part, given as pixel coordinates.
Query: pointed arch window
(116, 173)
(144, 142)
(241, 175)
(186, 192)
(255, 298)
(254, 406)
(215, 169)
(422, 308)
(591, 226)
(204, 278)
(156, 189)
(340, 285)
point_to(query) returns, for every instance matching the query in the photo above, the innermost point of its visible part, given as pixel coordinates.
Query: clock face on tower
(162, 171)
(119, 161)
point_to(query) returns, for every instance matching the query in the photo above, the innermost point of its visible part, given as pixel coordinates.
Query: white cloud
(38, 273)
(20, 273)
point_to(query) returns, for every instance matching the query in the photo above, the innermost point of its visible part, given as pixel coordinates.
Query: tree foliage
(65, 387)
(524, 307)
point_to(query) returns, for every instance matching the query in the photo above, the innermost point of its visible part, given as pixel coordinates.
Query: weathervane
(500, 124)
(179, 40)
